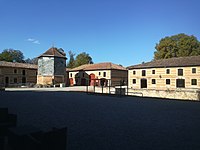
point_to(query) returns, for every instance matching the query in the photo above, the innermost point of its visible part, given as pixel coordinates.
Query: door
(180, 83)
(23, 80)
(6, 81)
(92, 79)
(143, 83)
(71, 82)
(83, 81)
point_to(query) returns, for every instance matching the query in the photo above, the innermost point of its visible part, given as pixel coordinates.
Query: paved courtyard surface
(98, 122)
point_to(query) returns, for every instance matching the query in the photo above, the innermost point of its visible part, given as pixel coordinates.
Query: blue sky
(119, 31)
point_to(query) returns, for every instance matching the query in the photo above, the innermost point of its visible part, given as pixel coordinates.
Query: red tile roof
(99, 66)
(171, 62)
(17, 65)
(53, 52)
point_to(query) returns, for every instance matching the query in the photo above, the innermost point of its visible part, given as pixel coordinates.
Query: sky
(119, 31)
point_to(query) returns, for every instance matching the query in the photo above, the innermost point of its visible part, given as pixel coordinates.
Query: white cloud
(30, 40)
(34, 41)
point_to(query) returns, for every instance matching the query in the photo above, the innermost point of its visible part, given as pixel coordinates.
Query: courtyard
(99, 122)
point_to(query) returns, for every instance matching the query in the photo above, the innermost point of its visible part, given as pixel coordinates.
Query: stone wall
(59, 66)
(184, 94)
(44, 80)
(46, 66)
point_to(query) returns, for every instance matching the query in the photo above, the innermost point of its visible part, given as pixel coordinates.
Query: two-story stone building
(106, 74)
(13, 74)
(173, 73)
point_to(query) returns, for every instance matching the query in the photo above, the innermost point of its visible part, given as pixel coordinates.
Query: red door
(92, 79)
(71, 82)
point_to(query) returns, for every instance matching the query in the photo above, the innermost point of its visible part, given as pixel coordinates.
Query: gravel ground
(98, 122)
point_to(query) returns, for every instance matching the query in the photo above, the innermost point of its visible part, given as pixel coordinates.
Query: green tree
(31, 61)
(71, 63)
(83, 58)
(12, 55)
(180, 45)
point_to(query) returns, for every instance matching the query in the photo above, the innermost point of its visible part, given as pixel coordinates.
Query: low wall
(184, 94)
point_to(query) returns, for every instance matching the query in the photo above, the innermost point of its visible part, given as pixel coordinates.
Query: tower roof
(53, 52)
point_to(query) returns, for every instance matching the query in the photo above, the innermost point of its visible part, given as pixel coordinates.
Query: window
(167, 81)
(15, 70)
(104, 74)
(83, 75)
(168, 71)
(194, 70)
(180, 72)
(134, 81)
(23, 72)
(153, 71)
(143, 72)
(153, 81)
(134, 72)
(15, 80)
(71, 75)
(194, 81)
(99, 73)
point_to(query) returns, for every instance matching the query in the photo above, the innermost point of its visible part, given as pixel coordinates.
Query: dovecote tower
(52, 67)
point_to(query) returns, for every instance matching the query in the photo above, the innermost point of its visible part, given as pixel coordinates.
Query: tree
(180, 45)
(32, 61)
(83, 58)
(71, 63)
(12, 55)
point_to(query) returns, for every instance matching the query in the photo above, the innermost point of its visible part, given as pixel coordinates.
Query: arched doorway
(92, 79)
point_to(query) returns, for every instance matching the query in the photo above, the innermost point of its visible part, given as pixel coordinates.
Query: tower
(52, 67)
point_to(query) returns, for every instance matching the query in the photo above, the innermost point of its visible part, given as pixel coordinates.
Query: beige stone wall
(160, 76)
(44, 80)
(184, 94)
(50, 80)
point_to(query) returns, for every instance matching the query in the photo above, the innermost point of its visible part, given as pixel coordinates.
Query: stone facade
(17, 74)
(52, 68)
(106, 74)
(177, 78)
(165, 78)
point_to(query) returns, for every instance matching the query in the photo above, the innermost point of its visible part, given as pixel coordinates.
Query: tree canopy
(12, 55)
(81, 59)
(180, 45)
(71, 63)
(31, 61)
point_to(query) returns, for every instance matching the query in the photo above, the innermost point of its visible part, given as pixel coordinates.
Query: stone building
(13, 74)
(52, 67)
(183, 72)
(107, 74)
(168, 76)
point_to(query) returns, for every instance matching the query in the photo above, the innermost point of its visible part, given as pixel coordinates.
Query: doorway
(6, 81)
(143, 83)
(180, 83)
(23, 80)
(71, 82)
(92, 79)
